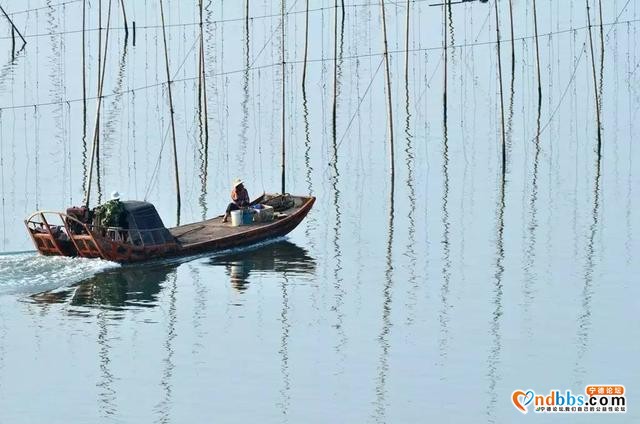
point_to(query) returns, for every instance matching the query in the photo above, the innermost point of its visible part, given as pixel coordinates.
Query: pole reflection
(140, 286)
(123, 287)
(279, 257)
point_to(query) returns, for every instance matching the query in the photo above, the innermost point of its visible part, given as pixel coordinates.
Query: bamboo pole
(504, 147)
(535, 27)
(446, 62)
(601, 29)
(601, 53)
(335, 70)
(246, 16)
(203, 82)
(203, 115)
(84, 97)
(13, 25)
(282, 165)
(406, 46)
(126, 26)
(306, 44)
(388, 81)
(84, 75)
(595, 80)
(513, 47)
(96, 129)
(173, 124)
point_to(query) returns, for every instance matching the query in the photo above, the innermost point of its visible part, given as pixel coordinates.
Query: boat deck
(210, 229)
(214, 229)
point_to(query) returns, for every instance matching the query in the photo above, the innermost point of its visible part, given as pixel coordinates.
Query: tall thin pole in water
(173, 124)
(246, 16)
(388, 80)
(601, 52)
(406, 46)
(282, 23)
(84, 78)
(96, 129)
(595, 80)
(13, 25)
(513, 48)
(601, 30)
(203, 83)
(446, 61)
(126, 26)
(504, 147)
(306, 43)
(535, 28)
(335, 69)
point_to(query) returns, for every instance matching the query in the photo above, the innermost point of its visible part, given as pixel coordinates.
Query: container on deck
(241, 217)
(264, 214)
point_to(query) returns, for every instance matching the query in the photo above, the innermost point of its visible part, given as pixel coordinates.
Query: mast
(96, 129)
(388, 80)
(282, 24)
(595, 82)
(306, 44)
(126, 25)
(173, 124)
(535, 26)
(504, 147)
(203, 81)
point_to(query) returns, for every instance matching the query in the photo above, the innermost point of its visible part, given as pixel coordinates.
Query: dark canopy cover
(144, 217)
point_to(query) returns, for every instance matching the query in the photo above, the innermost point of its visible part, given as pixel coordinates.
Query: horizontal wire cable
(298, 61)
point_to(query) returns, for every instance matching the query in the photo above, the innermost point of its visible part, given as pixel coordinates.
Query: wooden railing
(76, 230)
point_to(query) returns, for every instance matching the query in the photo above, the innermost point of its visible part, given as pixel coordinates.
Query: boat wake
(25, 273)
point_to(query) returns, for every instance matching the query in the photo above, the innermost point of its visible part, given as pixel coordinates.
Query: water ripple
(30, 273)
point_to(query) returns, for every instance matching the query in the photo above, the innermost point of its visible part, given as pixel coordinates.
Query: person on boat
(239, 198)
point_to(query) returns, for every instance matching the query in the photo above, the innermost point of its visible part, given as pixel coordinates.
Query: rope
(360, 103)
(327, 59)
(564, 93)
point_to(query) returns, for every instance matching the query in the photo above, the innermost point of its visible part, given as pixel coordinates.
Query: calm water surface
(429, 296)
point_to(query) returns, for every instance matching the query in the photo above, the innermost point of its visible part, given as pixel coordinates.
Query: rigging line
(52, 6)
(475, 43)
(186, 56)
(366, 91)
(619, 14)
(155, 171)
(327, 59)
(417, 102)
(564, 93)
(271, 37)
(484, 23)
(154, 175)
(230, 20)
(206, 22)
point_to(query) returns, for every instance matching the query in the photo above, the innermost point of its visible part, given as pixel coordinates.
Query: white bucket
(236, 218)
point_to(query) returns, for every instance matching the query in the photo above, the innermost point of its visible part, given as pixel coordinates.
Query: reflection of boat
(278, 257)
(147, 238)
(125, 286)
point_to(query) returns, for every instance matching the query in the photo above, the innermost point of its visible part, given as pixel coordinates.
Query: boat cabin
(78, 233)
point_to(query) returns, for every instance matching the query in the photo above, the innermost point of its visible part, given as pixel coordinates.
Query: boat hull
(191, 239)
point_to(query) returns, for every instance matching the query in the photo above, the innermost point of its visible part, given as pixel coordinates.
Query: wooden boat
(146, 238)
